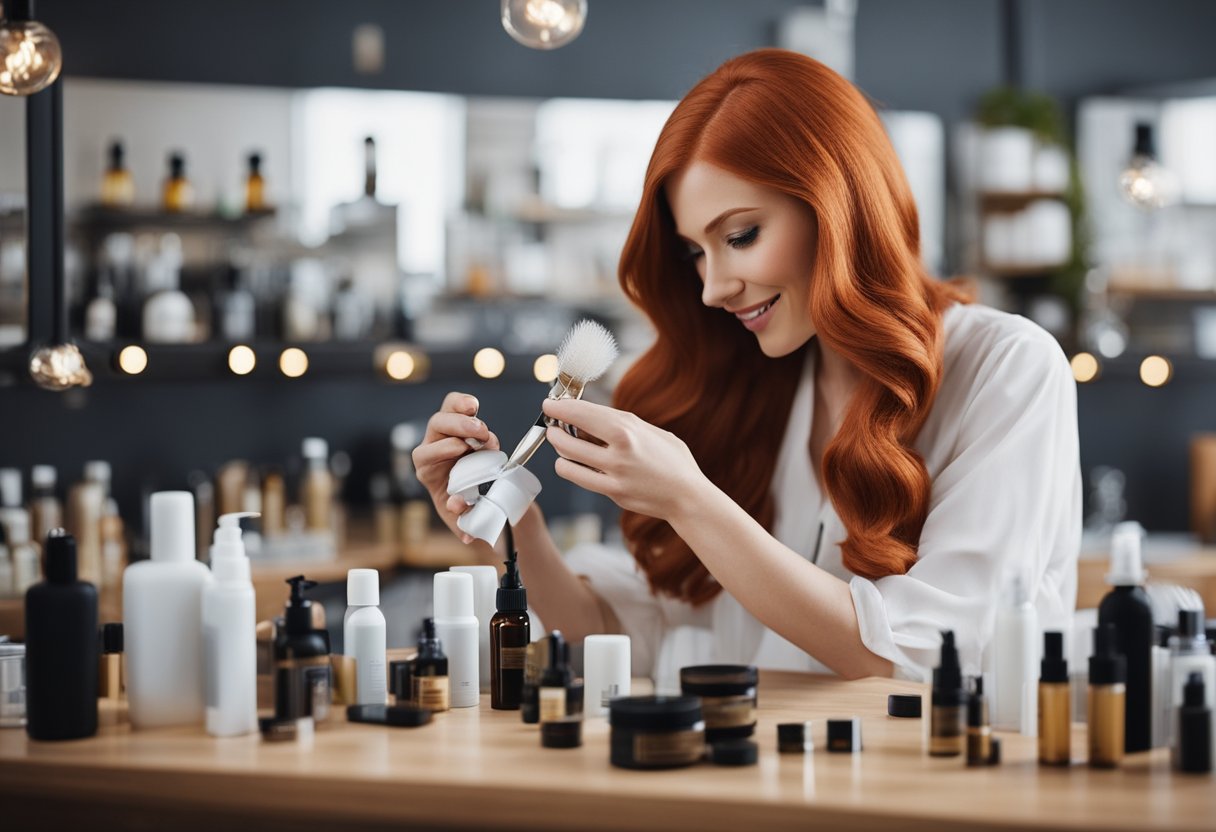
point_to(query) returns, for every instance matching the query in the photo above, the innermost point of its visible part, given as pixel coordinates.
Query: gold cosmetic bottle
(274, 504)
(110, 682)
(318, 486)
(255, 186)
(117, 186)
(1107, 700)
(178, 193)
(979, 729)
(946, 734)
(430, 678)
(1055, 718)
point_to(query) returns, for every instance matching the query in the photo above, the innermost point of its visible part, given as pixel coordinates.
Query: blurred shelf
(1161, 293)
(1003, 201)
(101, 219)
(1014, 272)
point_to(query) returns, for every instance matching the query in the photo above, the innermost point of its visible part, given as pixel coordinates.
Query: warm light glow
(241, 360)
(1155, 371)
(489, 363)
(1084, 367)
(30, 57)
(545, 368)
(293, 362)
(544, 24)
(133, 360)
(400, 365)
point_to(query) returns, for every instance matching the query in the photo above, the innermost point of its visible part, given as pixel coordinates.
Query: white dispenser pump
(228, 559)
(1126, 567)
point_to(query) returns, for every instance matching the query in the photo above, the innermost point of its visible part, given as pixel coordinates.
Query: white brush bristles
(587, 351)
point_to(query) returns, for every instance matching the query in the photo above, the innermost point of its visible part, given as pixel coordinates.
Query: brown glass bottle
(178, 193)
(255, 186)
(510, 634)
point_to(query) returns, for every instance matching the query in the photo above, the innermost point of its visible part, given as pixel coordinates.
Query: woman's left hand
(639, 467)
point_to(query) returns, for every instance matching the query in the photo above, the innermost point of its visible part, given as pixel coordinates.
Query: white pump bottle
(230, 635)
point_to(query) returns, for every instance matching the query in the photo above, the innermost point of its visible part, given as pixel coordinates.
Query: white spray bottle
(230, 665)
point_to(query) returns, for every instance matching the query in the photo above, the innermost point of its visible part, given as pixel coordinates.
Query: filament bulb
(544, 24)
(30, 57)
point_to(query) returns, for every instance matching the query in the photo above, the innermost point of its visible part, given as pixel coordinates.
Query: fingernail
(475, 444)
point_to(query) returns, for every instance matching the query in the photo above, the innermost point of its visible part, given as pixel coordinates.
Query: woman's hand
(444, 443)
(639, 467)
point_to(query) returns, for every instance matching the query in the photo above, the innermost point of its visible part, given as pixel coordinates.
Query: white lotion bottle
(485, 595)
(162, 620)
(1016, 649)
(363, 636)
(230, 661)
(457, 629)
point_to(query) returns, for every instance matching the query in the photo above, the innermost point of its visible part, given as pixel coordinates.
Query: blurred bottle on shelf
(117, 184)
(238, 309)
(46, 512)
(178, 194)
(168, 314)
(255, 186)
(317, 489)
(369, 167)
(353, 313)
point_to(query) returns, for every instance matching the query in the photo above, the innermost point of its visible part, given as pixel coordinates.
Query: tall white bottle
(162, 620)
(1016, 652)
(230, 660)
(457, 629)
(485, 596)
(363, 636)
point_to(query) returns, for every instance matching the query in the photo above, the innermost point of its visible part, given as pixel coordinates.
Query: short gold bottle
(1107, 700)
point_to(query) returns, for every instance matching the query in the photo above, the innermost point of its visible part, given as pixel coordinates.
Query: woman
(827, 457)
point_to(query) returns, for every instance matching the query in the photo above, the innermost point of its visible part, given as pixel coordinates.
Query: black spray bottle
(61, 648)
(302, 680)
(1127, 608)
(510, 634)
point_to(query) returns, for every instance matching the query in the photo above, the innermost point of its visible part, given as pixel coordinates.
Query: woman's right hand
(444, 443)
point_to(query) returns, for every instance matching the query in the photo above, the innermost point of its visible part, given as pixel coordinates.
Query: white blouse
(1000, 445)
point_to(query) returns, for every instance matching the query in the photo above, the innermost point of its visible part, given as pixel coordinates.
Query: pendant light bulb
(1144, 182)
(544, 24)
(59, 367)
(30, 57)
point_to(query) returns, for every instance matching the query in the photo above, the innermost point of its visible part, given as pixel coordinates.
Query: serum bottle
(1107, 700)
(946, 734)
(430, 677)
(1055, 722)
(510, 633)
(555, 681)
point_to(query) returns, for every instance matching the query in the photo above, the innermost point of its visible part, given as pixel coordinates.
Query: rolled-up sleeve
(1007, 503)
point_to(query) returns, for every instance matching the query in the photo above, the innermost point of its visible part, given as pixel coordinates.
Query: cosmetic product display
(117, 186)
(429, 677)
(46, 512)
(61, 648)
(728, 698)
(555, 681)
(566, 732)
(738, 752)
(1055, 722)
(904, 705)
(1190, 652)
(844, 735)
(795, 738)
(230, 635)
(302, 680)
(397, 716)
(1107, 700)
(510, 634)
(656, 731)
(177, 195)
(1127, 608)
(255, 185)
(23, 552)
(457, 628)
(1016, 660)
(1193, 753)
(363, 635)
(162, 620)
(946, 732)
(536, 659)
(12, 685)
(318, 487)
(485, 594)
(607, 671)
(110, 681)
(979, 730)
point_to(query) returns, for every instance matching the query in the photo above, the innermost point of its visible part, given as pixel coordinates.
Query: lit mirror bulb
(544, 24)
(30, 58)
(1144, 182)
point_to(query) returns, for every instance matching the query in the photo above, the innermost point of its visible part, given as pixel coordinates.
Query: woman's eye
(692, 252)
(745, 239)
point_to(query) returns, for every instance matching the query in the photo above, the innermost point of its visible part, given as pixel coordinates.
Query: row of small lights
(1155, 370)
(398, 364)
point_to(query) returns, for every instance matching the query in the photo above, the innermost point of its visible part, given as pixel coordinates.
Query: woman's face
(753, 247)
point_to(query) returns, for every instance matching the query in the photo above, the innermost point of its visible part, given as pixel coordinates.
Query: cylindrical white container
(1007, 159)
(607, 672)
(1016, 663)
(485, 591)
(162, 620)
(457, 629)
(363, 636)
(230, 662)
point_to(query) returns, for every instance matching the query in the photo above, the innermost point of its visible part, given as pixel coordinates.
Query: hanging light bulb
(544, 24)
(59, 367)
(1144, 182)
(30, 58)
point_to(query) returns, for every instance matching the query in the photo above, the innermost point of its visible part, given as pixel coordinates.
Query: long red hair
(786, 121)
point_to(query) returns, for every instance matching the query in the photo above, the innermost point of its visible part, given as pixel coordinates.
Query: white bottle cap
(97, 470)
(314, 448)
(43, 476)
(485, 589)
(607, 671)
(484, 521)
(18, 522)
(453, 595)
(363, 587)
(10, 487)
(1125, 563)
(172, 526)
(228, 559)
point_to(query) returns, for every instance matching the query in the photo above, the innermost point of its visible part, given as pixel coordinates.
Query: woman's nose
(718, 286)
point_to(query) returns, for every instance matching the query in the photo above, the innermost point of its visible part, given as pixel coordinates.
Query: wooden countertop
(478, 768)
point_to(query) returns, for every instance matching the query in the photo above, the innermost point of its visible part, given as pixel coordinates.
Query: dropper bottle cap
(977, 706)
(60, 557)
(299, 608)
(511, 595)
(557, 674)
(948, 676)
(1054, 668)
(429, 645)
(1106, 666)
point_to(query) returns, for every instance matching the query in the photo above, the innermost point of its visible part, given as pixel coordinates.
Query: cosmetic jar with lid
(656, 731)
(728, 698)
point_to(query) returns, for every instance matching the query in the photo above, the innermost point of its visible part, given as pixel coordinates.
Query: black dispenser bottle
(1127, 608)
(61, 648)
(510, 634)
(302, 678)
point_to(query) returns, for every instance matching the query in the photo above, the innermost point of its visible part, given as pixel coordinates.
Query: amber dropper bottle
(510, 633)
(1055, 704)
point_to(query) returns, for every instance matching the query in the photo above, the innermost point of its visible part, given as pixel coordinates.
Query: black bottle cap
(401, 678)
(977, 707)
(60, 557)
(429, 645)
(904, 705)
(844, 735)
(299, 608)
(1106, 667)
(1054, 666)
(557, 674)
(1190, 624)
(511, 596)
(734, 753)
(177, 166)
(948, 676)
(116, 155)
(111, 637)
(255, 162)
(793, 736)
(1193, 695)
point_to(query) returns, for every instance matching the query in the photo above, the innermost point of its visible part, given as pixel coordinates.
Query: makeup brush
(585, 354)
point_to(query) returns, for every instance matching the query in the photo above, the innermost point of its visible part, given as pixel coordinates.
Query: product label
(729, 711)
(512, 658)
(211, 664)
(431, 692)
(672, 748)
(552, 704)
(609, 693)
(316, 682)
